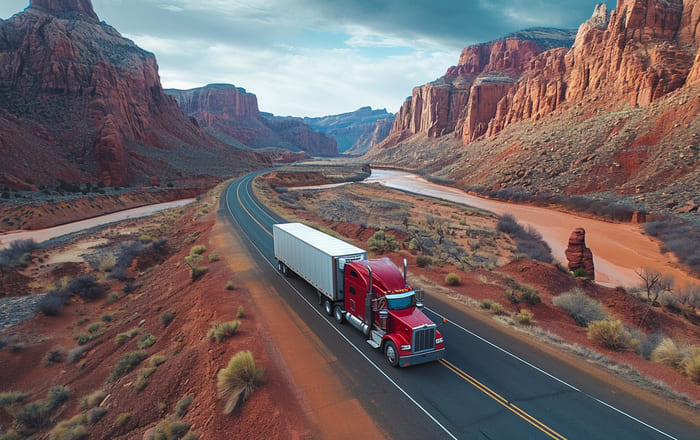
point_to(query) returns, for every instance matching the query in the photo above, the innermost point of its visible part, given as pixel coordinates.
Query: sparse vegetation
(229, 285)
(494, 307)
(530, 296)
(223, 330)
(106, 317)
(528, 242)
(76, 353)
(183, 405)
(192, 237)
(236, 383)
(37, 415)
(171, 428)
(146, 340)
(193, 261)
(93, 399)
(452, 279)
(127, 363)
(678, 238)
(524, 317)
(167, 317)
(52, 302)
(582, 308)
(54, 356)
(423, 261)
(17, 253)
(11, 397)
(198, 250)
(94, 327)
(86, 287)
(111, 298)
(691, 367)
(382, 242)
(668, 353)
(72, 429)
(122, 419)
(240, 313)
(142, 377)
(611, 334)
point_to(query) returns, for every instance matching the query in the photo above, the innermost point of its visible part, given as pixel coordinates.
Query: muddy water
(618, 248)
(46, 234)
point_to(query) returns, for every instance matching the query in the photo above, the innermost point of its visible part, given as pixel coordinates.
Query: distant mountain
(231, 114)
(616, 111)
(356, 132)
(79, 102)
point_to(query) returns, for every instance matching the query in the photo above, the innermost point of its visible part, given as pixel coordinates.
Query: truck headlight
(439, 340)
(405, 347)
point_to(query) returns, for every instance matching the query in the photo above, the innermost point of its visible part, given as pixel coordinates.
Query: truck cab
(381, 304)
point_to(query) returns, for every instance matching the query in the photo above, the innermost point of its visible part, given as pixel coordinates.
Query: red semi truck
(372, 295)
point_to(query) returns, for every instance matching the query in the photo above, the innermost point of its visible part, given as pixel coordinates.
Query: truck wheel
(328, 305)
(391, 353)
(338, 314)
(283, 269)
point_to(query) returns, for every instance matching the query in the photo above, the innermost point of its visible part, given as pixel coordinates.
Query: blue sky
(320, 57)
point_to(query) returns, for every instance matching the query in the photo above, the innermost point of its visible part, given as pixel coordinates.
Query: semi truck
(372, 295)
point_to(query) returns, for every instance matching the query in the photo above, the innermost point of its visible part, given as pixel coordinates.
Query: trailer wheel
(338, 314)
(283, 268)
(391, 353)
(328, 305)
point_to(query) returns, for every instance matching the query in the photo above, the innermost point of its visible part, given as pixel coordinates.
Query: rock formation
(230, 110)
(579, 256)
(357, 131)
(91, 98)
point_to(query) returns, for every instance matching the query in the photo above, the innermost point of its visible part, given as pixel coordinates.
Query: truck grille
(423, 339)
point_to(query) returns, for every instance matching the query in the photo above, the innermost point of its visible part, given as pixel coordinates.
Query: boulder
(579, 256)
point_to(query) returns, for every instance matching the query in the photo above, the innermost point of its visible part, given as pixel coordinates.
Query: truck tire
(338, 314)
(391, 353)
(283, 268)
(328, 306)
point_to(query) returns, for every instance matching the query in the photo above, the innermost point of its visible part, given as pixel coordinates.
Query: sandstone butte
(81, 103)
(231, 110)
(579, 256)
(621, 97)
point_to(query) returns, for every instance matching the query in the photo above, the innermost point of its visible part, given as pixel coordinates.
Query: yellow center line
(240, 202)
(503, 401)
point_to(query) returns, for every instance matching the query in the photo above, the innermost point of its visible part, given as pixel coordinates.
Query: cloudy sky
(320, 57)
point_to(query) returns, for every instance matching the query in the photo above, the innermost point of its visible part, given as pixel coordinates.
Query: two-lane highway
(489, 386)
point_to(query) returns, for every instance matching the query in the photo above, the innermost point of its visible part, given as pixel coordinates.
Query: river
(618, 248)
(40, 235)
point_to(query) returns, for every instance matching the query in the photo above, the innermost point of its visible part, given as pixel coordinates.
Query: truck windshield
(400, 301)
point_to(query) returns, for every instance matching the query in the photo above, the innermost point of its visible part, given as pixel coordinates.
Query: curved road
(489, 386)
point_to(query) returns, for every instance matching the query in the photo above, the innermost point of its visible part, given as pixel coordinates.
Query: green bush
(157, 361)
(95, 414)
(241, 312)
(381, 242)
(167, 317)
(581, 273)
(193, 262)
(198, 250)
(57, 396)
(142, 377)
(171, 428)
(127, 363)
(93, 399)
(611, 334)
(222, 330)
(11, 397)
(33, 416)
(530, 296)
(183, 405)
(146, 340)
(72, 429)
(582, 308)
(236, 382)
(82, 339)
(423, 261)
(192, 237)
(452, 279)
(122, 419)
(94, 327)
(229, 285)
(54, 356)
(524, 317)
(107, 317)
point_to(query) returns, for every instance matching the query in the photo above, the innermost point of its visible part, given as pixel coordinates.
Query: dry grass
(236, 383)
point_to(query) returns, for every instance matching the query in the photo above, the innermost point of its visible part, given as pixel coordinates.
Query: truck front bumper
(421, 358)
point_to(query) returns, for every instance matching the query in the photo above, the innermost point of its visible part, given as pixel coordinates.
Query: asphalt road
(489, 386)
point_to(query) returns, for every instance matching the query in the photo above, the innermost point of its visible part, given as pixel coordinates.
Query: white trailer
(316, 257)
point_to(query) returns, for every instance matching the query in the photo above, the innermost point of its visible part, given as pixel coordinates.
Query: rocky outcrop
(96, 96)
(579, 256)
(231, 111)
(370, 138)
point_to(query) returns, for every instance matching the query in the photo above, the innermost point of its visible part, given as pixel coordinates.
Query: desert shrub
(10, 434)
(121, 339)
(582, 308)
(198, 250)
(93, 399)
(183, 405)
(668, 353)
(192, 237)
(133, 332)
(125, 255)
(95, 414)
(193, 262)
(15, 254)
(678, 238)
(691, 367)
(51, 303)
(82, 339)
(611, 334)
(524, 317)
(648, 343)
(32, 416)
(107, 317)
(214, 257)
(167, 317)
(530, 296)
(581, 273)
(10, 397)
(53, 356)
(382, 242)
(236, 382)
(87, 287)
(72, 429)
(146, 340)
(190, 436)
(142, 377)
(106, 262)
(127, 363)
(171, 428)
(423, 261)
(528, 242)
(145, 238)
(452, 279)
(76, 353)
(240, 313)
(122, 419)
(111, 298)
(486, 304)
(157, 361)
(57, 396)
(223, 330)
(94, 327)
(229, 285)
